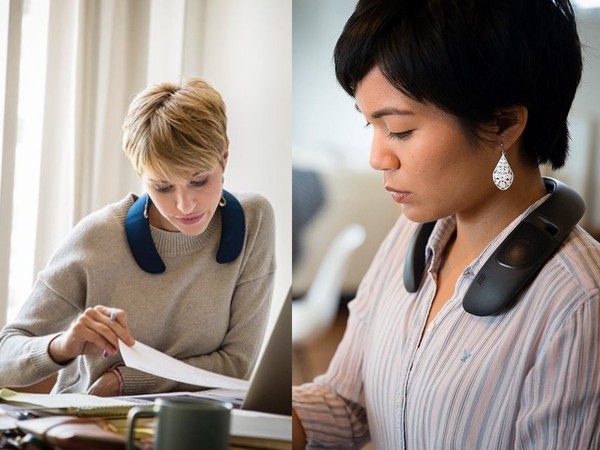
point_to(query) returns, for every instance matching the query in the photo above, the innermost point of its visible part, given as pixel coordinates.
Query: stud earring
(146, 206)
(503, 175)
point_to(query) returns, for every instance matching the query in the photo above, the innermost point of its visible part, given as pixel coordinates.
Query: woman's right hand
(93, 332)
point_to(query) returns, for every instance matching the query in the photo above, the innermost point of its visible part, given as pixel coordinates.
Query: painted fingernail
(105, 354)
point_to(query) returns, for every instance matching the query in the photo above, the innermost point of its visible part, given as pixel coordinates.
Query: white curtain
(99, 54)
(10, 15)
(96, 60)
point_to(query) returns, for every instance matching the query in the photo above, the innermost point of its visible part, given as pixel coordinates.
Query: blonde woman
(186, 268)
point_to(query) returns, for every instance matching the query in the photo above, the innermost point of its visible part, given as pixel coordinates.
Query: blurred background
(68, 70)
(334, 186)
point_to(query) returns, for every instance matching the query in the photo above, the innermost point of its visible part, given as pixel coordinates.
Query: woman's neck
(476, 229)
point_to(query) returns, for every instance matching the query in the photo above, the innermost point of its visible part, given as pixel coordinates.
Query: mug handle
(135, 413)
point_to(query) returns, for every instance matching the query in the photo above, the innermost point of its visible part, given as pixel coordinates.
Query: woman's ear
(225, 156)
(510, 123)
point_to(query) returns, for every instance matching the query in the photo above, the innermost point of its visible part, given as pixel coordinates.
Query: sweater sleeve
(24, 343)
(57, 299)
(47, 312)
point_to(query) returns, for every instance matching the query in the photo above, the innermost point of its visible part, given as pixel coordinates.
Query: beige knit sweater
(210, 315)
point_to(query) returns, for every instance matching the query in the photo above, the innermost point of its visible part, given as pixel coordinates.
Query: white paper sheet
(142, 357)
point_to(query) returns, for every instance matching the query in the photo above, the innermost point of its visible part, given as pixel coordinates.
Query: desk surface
(237, 442)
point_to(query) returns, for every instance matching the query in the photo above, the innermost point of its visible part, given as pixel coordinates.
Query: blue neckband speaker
(141, 244)
(517, 260)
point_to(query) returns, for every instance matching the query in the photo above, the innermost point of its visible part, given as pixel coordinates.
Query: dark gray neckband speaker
(517, 260)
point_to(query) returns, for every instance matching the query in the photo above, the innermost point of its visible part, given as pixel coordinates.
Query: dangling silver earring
(146, 208)
(503, 175)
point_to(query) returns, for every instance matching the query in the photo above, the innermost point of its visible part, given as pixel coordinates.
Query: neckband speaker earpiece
(517, 259)
(143, 249)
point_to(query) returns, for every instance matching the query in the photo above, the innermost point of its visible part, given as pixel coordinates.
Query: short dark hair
(472, 58)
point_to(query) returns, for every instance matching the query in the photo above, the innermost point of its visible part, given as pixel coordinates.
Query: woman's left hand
(108, 385)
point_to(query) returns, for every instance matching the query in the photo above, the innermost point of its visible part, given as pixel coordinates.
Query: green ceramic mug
(185, 423)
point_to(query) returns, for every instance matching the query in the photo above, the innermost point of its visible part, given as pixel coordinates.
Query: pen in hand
(113, 316)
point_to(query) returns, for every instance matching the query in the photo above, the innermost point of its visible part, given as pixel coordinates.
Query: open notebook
(17, 403)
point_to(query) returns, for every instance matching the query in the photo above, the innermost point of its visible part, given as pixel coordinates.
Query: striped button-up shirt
(528, 378)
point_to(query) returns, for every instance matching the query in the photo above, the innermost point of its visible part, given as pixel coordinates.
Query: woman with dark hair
(466, 100)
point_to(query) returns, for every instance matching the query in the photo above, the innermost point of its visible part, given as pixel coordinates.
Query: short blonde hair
(172, 129)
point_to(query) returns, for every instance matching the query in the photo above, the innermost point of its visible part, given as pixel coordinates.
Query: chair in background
(313, 314)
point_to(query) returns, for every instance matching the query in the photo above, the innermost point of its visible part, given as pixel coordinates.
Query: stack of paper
(142, 357)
